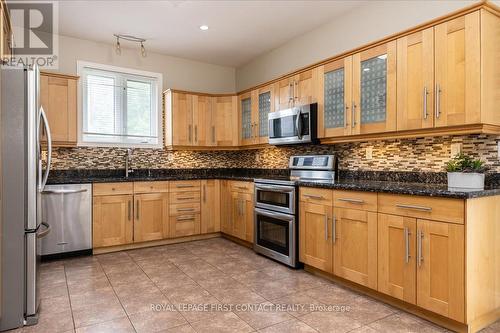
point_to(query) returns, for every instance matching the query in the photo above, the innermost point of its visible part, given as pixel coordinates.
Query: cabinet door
(440, 268)
(355, 246)
(415, 75)
(210, 206)
(305, 87)
(182, 119)
(226, 210)
(238, 218)
(396, 257)
(457, 63)
(58, 98)
(247, 215)
(315, 243)
(151, 217)
(184, 225)
(202, 121)
(374, 90)
(265, 105)
(112, 220)
(335, 98)
(283, 91)
(247, 123)
(224, 129)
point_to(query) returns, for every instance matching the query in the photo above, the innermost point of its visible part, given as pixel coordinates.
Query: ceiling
(238, 30)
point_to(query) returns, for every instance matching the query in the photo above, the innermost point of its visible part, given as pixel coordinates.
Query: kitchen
(332, 177)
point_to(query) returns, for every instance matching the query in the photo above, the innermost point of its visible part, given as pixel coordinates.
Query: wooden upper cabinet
(457, 71)
(264, 100)
(415, 80)
(354, 235)
(224, 121)
(210, 206)
(374, 90)
(247, 119)
(396, 257)
(440, 268)
(297, 90)
(335, 98)
(203, 126)
(283, 92)
(58, 98)
(151, 217)
(179, 119)
(112, 220)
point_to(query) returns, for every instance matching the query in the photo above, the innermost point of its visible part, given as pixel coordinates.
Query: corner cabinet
(237, 209)
(264, 98)
(224, 123)
(210, 206)
(58, 97)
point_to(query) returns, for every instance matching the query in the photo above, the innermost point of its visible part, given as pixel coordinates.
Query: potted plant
(465, 173)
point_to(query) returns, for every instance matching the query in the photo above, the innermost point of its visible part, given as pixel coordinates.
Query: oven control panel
(312, 162)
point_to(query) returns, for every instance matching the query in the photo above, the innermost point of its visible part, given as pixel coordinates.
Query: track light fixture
(129, 38)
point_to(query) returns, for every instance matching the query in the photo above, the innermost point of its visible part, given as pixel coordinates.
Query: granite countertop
(410, 183)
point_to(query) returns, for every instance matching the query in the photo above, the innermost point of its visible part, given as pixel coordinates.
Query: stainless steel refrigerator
(22, 122)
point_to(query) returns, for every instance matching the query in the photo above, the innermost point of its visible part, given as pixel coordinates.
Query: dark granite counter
(411, 183)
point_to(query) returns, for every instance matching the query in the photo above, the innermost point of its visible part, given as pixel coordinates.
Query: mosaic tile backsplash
(420, 154)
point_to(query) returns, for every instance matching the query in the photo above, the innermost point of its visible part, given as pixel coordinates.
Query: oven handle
(279, 216)
(275, 188)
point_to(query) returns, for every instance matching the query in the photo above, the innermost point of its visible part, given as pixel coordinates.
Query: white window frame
(81, 65)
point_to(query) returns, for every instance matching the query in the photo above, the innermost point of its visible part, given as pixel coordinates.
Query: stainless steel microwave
(292, 126)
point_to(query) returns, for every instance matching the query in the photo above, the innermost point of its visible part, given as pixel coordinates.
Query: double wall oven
(276, 207)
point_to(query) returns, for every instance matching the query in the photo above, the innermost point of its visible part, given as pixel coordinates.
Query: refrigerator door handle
(45, 232)
(43, 181)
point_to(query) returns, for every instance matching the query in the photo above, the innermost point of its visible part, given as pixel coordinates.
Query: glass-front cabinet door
(335, 98)
(246, 120)
(265, 104)
(374, 90)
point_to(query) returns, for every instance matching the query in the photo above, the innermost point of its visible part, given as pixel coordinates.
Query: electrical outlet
(369, 153)
(456, 148)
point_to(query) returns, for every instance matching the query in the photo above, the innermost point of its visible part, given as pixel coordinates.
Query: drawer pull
(420, 257)
(354, 201)
(242, 187)
(184, 185)
(407, 234)
(422, 208)
(319, 197)
(186, 218)
(185, 198)
(334, 227)
(185, 209)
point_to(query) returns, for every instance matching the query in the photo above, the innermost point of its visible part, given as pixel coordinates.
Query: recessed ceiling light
(204, 27)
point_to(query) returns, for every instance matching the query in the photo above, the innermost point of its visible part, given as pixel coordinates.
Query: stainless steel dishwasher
(68, 210)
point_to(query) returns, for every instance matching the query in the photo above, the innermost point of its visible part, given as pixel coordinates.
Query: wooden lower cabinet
(151, 217)
(396, 256)
(112, 220)
(210, 206)
(315, 243)
(226, 219)
(440, 268)
(184, 225)
(242, 216)
(355, 246)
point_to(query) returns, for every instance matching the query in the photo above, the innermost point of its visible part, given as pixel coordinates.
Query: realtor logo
(34, 26)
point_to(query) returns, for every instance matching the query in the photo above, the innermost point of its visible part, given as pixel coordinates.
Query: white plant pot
(460, 181)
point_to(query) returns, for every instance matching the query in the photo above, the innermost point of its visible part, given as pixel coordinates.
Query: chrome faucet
(128, 161)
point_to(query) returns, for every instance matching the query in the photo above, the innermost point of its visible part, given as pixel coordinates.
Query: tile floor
(115, 292)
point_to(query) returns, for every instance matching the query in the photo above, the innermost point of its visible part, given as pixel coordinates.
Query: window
(120, 107)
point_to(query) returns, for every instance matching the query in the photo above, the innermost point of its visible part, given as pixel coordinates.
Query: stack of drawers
(185, 208)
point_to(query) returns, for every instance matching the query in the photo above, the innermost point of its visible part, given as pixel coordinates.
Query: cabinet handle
(345, 115)
(195, 133)
(407, 244)
(204, 193)
(438, 100)
(353, 201)
(295, 93)
(137, 207)
(185, 218)
(422, 208)
(242, 187)
(420, 257)
(185, 209)
(319, 197)
(353, 115)
(184, 185)
(290, 93)
(213, 134)
(129, 209)
(326, 227)
(185, 198)
(189, 133)
(334, 229)
(425, 102)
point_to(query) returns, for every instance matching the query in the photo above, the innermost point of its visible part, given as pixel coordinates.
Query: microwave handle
(298, 124)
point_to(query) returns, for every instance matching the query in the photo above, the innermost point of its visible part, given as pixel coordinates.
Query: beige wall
(177, 73)
(360, 26)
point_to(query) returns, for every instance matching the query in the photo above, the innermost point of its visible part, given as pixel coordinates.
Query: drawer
(185, 185)
(184, 197)
(316, 196)
(437, 209)
(150, 187)
(240, 186)
(113, 189)
(184, 209)
(355, 200)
